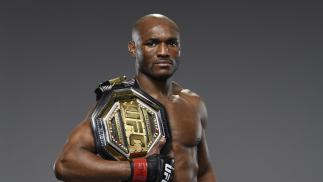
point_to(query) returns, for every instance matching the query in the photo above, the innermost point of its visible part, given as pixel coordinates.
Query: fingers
(162, 142)
(156, 149)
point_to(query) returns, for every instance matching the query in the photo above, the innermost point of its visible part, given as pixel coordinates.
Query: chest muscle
(184, 122)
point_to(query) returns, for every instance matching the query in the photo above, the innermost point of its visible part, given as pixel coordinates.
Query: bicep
(206, 172)
(81, 138)
(203, 155)
(79, 160)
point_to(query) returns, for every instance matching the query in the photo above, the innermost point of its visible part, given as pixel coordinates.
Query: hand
(154, 168)
(157, 148)
(160, 168)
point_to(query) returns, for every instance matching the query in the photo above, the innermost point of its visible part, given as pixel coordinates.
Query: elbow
(60, 170)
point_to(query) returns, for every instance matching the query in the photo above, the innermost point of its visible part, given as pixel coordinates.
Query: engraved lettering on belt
(135, 126)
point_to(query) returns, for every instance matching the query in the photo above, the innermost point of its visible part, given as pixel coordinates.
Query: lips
(164, 62)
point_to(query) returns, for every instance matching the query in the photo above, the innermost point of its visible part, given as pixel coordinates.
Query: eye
(152, 43)
(173, 43)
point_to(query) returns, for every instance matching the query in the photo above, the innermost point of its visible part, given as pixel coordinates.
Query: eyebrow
(153, 39)
(157, 39)
(172, 39)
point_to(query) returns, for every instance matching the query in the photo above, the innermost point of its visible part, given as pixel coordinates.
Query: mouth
(164, 62)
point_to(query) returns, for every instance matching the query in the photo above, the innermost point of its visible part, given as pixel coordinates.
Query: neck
(155, 88)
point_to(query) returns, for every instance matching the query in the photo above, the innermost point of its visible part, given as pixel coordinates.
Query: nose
(162, 50)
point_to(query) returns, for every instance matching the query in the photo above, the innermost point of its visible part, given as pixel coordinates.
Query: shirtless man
(156, 46)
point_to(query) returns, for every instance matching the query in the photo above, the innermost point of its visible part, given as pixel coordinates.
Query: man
(156, 46)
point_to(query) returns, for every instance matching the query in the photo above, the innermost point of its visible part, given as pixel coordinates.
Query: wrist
(139, 170)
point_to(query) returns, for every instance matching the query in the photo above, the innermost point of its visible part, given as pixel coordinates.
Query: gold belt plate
(127, 123)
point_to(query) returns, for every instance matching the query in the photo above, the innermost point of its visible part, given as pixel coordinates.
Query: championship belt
(127, 122)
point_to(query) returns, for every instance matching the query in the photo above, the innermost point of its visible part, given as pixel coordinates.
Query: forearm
(85, 166)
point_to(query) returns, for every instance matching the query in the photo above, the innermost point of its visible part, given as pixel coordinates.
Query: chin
(162, 77)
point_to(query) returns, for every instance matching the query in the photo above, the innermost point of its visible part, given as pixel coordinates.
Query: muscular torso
(186, 128)
(187, 116)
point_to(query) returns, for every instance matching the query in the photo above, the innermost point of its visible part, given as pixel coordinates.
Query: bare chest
(185, 124)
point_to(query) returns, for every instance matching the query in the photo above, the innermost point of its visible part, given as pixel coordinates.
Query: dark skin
(156, 47)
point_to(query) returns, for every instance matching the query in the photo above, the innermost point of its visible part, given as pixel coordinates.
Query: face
(157, 50)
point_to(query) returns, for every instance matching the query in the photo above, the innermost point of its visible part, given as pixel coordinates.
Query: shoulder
(194, 99)
(187, 94)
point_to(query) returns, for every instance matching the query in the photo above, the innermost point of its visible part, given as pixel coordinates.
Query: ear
(132, 48)
(179, 52)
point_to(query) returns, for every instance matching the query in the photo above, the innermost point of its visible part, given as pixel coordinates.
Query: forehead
(158, 29)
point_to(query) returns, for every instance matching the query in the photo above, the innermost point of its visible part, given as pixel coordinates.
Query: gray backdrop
(258, 66)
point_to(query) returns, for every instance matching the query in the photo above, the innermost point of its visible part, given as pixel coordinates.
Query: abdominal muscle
(186, 164)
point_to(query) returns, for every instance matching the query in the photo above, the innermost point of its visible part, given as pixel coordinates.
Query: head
(156, 46)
